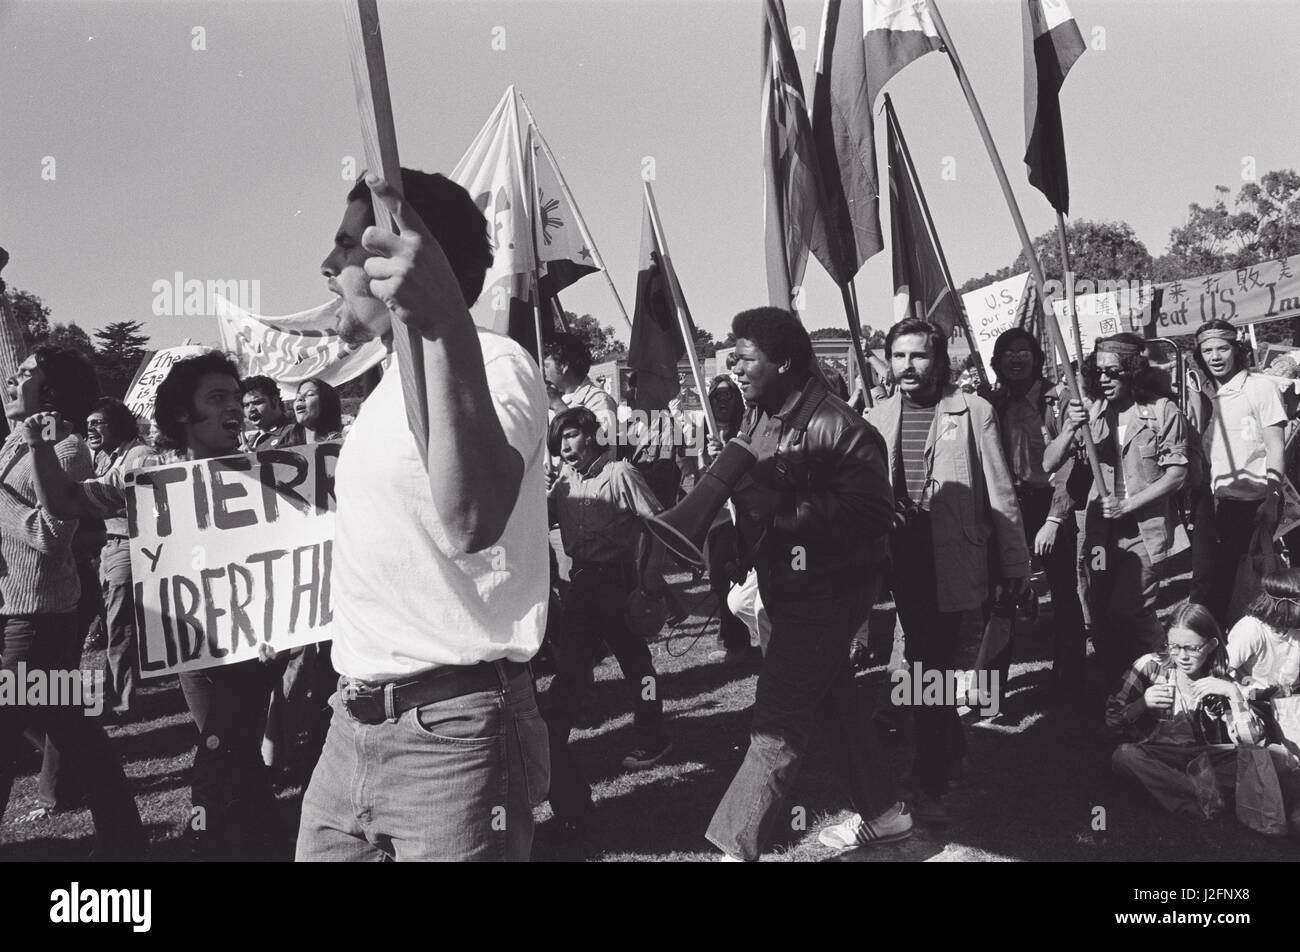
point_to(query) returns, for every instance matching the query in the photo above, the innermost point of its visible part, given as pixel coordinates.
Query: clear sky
(226, 163)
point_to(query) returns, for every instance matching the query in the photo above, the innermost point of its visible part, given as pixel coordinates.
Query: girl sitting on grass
(1263, 646)
(1179, 709)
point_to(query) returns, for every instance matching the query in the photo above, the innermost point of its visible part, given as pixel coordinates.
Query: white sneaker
(891, 826)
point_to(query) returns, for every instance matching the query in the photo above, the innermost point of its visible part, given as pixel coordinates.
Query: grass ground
(1036, 776)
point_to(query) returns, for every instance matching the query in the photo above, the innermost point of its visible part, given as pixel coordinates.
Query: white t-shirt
(404, 600)
(1261, 656)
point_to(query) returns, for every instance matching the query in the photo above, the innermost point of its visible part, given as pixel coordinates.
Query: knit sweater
(37, 572)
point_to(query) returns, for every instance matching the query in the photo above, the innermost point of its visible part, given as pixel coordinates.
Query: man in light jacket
(954, 499)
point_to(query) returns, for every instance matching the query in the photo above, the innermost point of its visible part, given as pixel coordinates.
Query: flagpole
(530, 183)
(851, 307)
(1068, 273)
(934, 243)
(379, 138)
(568, 195)
(682, 322)
(1035, 268)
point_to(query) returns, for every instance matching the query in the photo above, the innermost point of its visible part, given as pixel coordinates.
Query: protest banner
(140, 398)
(1269, 291)
(1125, 310)
(295, 347)
(230, 553)
(990, 310)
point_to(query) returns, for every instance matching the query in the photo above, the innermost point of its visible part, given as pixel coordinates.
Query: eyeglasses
(1110, 373)
(1184, 649)
(96, 424)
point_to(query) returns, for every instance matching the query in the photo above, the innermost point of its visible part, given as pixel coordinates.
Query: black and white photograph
(571, 431)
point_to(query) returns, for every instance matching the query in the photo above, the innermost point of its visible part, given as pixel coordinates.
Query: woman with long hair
(1185, 719)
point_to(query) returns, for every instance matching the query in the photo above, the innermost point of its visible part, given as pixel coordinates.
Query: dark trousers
(60, 786)
(930, 639)
(230, 786)
(1223, 531)
(724, 557)
(119, 615)
(1123, 586)
(806, 687)
(664, 478)
(1061, 566)
(593, 612)
(43, 642)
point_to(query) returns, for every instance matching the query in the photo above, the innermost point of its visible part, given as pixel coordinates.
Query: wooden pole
(1068, 273)
(683, 321)
(1035, 268)
(370, 81)
(851, 312)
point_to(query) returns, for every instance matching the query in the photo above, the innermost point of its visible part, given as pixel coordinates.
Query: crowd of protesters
(423, 739)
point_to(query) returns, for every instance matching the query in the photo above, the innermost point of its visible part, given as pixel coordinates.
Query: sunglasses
(1111, 373)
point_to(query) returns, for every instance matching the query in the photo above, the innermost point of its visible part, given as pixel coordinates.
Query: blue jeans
(450, 781)
(806, 686)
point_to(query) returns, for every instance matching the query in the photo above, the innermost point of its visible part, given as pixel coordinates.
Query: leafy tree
(121, 347)
(599, 338)
(1099, 251)
(32, 314)
(872, 339)
(705, 345)
(72, 337)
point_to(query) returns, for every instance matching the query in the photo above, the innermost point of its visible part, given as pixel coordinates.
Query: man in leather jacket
(813, 516)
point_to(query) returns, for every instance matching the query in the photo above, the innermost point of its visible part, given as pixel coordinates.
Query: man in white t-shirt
(436, 750)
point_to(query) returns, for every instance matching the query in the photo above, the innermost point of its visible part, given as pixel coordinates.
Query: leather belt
(376, 703)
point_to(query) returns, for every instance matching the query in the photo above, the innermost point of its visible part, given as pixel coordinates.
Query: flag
(492, 171)
(656, 346)
(921, 285)
(295, 347)
(540, 243)
(894, 32)
(565, 251)
(1052, 44)
(790, 194)
(844, 133)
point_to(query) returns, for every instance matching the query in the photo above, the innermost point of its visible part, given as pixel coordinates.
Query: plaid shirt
(1128, 715)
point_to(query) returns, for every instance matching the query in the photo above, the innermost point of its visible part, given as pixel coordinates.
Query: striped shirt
(913, 431)
(37, 571)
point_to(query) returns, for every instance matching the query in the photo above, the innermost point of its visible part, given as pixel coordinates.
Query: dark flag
(790, 192)
(1052, 44)
(656, 346)
(844, 133)
(921, 285)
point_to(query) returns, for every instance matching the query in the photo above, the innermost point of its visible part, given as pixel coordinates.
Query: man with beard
(1030, 419)
(813, 516)
(198, 414)
(436, 750)
(952, 492)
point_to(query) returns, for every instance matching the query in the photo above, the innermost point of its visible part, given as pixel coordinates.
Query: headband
(1122, 347)
(1215, 333)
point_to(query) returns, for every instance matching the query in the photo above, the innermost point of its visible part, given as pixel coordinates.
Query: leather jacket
(814, 516)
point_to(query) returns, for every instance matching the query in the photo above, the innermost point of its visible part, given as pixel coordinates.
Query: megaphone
(683, 528)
